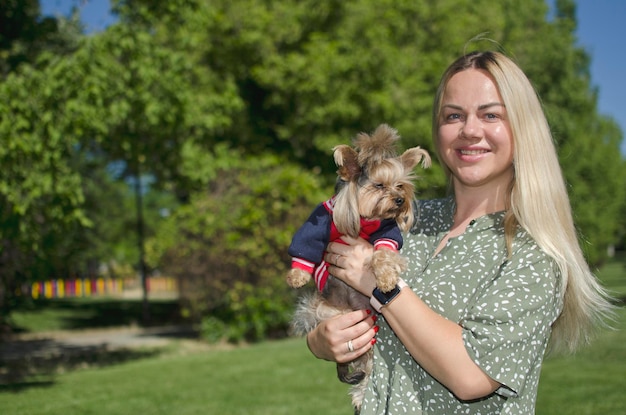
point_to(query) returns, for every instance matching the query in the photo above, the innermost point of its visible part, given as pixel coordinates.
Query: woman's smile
(475, 138)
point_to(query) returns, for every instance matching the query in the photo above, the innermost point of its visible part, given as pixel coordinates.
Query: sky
(601, 32)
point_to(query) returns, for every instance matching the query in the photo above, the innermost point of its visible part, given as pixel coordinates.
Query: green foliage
(213, 329)
(211, 99)
(250, 313)
(228, 246)
(150, 99)
(24, 34)
(596, 174)
(40, 186)
(120, 97)
(588, 143)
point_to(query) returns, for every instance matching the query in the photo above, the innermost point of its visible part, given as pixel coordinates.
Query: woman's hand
(348, 262)
(332, 338)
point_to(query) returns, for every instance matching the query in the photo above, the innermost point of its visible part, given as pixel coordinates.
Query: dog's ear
(346, 159)
(411, 158)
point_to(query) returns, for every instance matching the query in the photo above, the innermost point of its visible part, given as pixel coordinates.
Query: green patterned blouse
(506, 306)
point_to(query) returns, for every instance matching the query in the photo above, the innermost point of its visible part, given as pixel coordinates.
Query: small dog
(373, 199)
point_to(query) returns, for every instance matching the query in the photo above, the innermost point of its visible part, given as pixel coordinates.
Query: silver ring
(337, 256)
(350, 346)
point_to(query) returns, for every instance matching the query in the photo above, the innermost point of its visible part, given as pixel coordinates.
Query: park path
(25, 355)
(68, 341)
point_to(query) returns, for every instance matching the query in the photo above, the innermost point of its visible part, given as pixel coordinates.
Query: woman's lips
(471, 152)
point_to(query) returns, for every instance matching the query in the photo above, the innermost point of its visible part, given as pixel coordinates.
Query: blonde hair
(538, 200)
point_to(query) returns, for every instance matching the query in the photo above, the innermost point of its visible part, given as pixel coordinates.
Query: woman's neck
(472, 203)
(475, 202)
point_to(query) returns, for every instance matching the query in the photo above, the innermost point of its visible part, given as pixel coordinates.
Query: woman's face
(474, 135)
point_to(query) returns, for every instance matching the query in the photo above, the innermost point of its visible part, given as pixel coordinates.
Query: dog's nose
(399, 201)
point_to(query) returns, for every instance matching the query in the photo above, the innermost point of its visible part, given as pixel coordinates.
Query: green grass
(282, 377)
(591, 382)
(613, 276)
(278, 377)
(271, 378)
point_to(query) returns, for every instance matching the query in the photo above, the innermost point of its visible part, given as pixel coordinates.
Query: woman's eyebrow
(456, 107)
(480, 107)
(491, 104)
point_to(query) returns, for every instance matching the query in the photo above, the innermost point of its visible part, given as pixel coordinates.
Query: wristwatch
(380, 299)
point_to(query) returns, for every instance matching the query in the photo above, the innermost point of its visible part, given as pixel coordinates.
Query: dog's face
(386, 190)
(373, 182)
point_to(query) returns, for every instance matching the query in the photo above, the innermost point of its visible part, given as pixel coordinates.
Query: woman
(495, 269)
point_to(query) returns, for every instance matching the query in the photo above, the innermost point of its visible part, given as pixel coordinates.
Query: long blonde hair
(538, 200)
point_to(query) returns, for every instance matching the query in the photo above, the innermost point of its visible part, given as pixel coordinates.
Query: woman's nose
(471, 128)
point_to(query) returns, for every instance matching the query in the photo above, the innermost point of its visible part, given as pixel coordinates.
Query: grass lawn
(270, 378)
(591, 382)
(282, 377)
(613, 276)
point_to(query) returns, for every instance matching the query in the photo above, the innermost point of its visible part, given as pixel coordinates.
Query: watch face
(383, 297)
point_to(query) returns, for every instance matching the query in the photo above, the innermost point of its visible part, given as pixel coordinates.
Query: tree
(150, 105)
(119, 95)
(25, 34)
(159, 92)
(40, 192)
(227, 246)
(588, 143)
(38, 200)
(312, 74)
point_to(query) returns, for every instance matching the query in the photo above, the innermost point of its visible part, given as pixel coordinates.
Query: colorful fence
(98, 287)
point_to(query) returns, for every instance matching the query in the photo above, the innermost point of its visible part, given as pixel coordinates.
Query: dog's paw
(386, 284)
(297, 278)
(387, 266)
(351, 377)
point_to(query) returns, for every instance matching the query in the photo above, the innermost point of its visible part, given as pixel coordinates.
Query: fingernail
(375, 318)
(368, 311)
(376, 328)
(373, 341)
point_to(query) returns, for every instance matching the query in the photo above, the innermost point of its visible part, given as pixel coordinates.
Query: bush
(213, 329)
(251, 313)
(228, 246)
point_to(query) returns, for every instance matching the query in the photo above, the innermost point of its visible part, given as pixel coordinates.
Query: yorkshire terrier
(373, 199)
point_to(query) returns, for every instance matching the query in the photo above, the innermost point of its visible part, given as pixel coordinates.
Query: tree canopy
(162, 92)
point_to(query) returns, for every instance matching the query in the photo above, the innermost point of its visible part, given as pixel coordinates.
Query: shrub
(251, 313)
(228, 246)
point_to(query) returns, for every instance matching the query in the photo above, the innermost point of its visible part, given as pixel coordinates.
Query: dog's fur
(373, 183)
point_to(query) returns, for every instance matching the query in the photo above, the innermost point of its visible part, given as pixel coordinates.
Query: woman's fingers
(332, 338)
(356, 339)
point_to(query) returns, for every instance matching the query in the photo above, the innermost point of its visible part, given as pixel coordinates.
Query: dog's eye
(379, 185)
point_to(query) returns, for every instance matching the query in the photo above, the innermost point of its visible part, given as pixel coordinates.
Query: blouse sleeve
(508, 324)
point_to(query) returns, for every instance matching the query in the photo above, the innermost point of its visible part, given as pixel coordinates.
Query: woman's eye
(453, 117)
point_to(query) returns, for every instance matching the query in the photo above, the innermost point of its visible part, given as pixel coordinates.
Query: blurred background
(157, 156)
